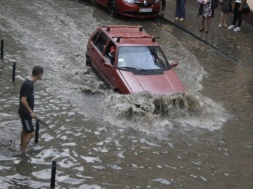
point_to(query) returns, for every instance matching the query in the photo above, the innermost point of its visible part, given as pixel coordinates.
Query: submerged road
(103, 140)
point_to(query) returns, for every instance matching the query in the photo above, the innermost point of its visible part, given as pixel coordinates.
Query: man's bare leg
(25, 139)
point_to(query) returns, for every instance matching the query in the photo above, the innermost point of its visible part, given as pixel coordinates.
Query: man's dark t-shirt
(26, 91)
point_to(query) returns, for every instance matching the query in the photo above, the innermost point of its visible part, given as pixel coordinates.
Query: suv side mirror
(173, 63)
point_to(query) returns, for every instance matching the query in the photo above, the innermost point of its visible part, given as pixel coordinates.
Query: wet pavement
(236, 45)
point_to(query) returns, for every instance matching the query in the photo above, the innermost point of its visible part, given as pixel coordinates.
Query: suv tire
(112, 8)
(88, 61)
(93, 2)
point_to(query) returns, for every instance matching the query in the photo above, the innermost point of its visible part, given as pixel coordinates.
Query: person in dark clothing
(26, 106)
(163, 4)
(237, 8)
(180, 10)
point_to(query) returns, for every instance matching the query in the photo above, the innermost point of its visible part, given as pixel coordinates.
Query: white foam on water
(69, 180)
(43, 174)
(89, 159)
(156, 114)
(4, 167)
(162, 181)
(65, 163)
(91, 186)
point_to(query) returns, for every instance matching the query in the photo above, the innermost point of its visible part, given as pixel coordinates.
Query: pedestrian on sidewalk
(237, 8)
(163, 4)
(180, 10)
(207, 12)
(225, 9)
(26, 106)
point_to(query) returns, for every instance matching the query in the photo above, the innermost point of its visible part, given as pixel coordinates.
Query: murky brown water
(104, 140)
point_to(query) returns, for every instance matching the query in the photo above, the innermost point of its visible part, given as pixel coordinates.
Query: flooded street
(104, 140)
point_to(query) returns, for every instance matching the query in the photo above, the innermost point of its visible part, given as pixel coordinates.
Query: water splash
(150, 113)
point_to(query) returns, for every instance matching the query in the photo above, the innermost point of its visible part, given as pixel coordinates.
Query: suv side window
(108, 55)
(101, 42)
(94, 38)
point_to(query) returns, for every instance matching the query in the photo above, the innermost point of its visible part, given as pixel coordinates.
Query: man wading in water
(26, 106)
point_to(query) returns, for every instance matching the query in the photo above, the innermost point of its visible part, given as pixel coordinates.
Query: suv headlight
(130, 1)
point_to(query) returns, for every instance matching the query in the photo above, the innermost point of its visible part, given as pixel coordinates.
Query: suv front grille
(141, 3)
(141, 13)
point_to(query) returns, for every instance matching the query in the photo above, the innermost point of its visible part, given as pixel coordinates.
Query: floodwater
(103, 140)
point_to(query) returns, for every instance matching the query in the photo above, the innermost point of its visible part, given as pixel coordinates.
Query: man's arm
(27, 107)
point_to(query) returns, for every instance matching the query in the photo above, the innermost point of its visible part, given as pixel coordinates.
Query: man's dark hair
(37, 70)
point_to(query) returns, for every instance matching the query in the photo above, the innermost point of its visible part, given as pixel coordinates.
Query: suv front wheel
(112, 8)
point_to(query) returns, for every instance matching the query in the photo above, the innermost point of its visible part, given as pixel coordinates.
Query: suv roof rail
(117, 39)
(128, 37)
(108, 27)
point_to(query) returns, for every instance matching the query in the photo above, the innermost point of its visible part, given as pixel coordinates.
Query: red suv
(132, 8)
(129, 60)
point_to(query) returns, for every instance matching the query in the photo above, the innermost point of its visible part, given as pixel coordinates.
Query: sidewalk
(250, 3)
(236, 45)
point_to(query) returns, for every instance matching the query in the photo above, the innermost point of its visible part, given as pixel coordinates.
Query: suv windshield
(143, 58)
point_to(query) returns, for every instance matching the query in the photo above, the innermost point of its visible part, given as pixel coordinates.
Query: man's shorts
(27, 125)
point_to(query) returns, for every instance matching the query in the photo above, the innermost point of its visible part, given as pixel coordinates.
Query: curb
(162, 18)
